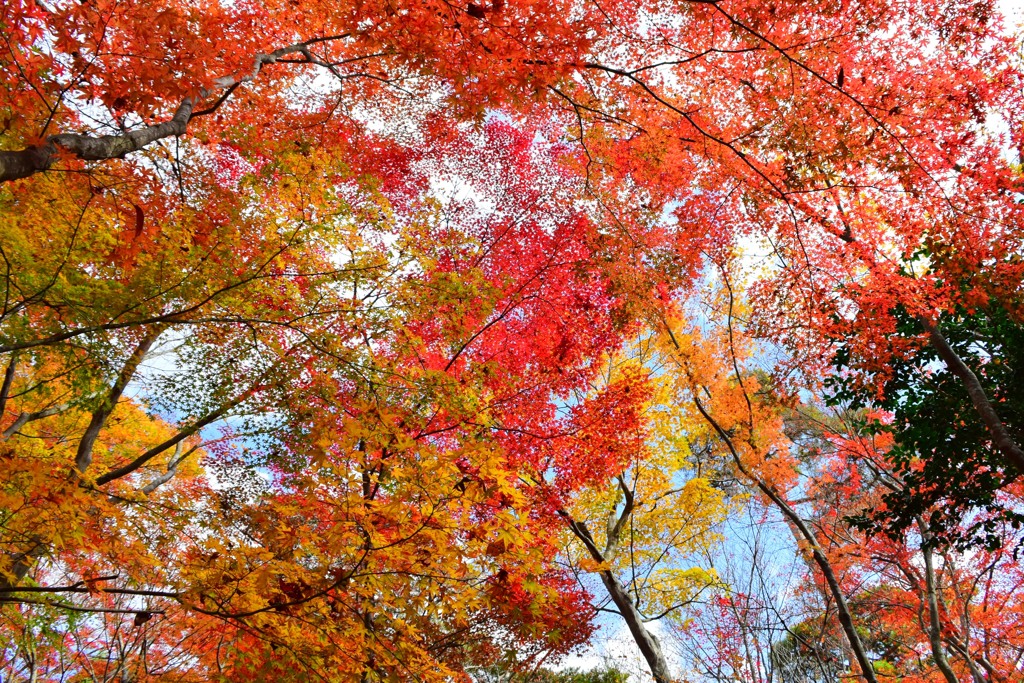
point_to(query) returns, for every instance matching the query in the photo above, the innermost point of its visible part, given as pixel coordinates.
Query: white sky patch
(1013, 10)
(453, 189)
(615, 648)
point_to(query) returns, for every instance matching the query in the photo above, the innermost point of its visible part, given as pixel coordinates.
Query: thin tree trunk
(931, 597)
(845, 615)
(844, 641)
(648, 643)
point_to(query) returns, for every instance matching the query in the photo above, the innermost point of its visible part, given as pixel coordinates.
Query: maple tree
(914, 587)
(643, 531)
(915, 601)
(747, 417)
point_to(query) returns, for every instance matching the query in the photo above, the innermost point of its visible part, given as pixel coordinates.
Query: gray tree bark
(648, 643)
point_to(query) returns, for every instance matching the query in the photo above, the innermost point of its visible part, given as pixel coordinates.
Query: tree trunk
(934, 625)
(1001, 438)
(648, 643)
(644, 639)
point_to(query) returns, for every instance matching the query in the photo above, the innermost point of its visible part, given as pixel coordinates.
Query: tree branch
(5, 390)
(83, 457)
(15, 164)
(845, 615)
(25, 418)
(31, 160)
(172, 467)
(119, 472)
(1000, 437)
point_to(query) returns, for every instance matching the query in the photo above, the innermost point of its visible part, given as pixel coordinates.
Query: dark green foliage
(950, 472)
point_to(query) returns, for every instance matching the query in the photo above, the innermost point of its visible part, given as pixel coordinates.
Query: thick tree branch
(26, 162)
(615, 526)
(83, 587)
(172, 467)
(25, 418)
(5, 390)
(15, 164)
(119, 472)
(20, 563)
(83, 457)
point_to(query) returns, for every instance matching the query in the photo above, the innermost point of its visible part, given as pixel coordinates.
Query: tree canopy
(414, 341)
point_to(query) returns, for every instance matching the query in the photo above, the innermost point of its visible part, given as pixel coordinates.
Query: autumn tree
(914, 600)
(644, 529)
(918, 587)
